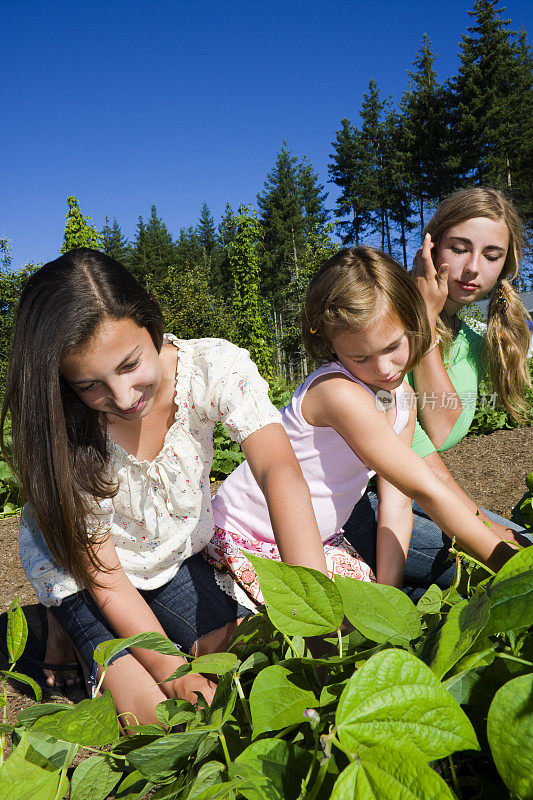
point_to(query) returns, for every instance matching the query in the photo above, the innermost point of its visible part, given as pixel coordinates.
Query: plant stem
(339, 635)
(244, 701)
(224, 748)
(313, 794)
(454, 778)
(509, 657)
(99, 684)
(292, 647)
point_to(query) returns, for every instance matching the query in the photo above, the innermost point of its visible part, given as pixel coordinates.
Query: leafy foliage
(78, 231)
(430, 700)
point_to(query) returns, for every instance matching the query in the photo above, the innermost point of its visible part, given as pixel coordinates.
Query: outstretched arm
(430, 376)
(274, 466)
(352, 412)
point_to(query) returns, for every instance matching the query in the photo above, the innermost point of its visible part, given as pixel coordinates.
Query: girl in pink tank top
(365, 323)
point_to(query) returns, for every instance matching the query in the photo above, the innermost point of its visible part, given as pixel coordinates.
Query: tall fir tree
(78, 230)
(425, 132)
(113, 243)
(206, 233)
(348, 171)
(154, 250)
(221, 277)
(494, 104)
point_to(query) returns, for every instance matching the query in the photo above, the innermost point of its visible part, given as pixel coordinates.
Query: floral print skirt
(225, 551)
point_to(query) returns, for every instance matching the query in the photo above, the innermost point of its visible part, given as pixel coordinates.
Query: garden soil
(490, 469)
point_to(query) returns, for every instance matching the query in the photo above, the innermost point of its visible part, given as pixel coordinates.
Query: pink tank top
(336, 476)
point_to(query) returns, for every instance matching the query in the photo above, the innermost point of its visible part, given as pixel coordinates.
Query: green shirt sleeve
(466, 365)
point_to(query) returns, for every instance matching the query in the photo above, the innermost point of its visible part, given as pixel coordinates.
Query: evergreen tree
(396, 181)
(424, 126)
(221, 277)
(113, 243)
(374, 197)
(206, 233)
(348, 172)
(188, 249)
(248, 307)
(154, 250)
(494, 104)
(78, 231)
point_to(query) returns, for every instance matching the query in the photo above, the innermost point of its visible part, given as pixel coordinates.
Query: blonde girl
(365, 323)
(113, 439)
(472, 248)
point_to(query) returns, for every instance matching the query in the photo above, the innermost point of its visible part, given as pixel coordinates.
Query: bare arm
(430, 376)
(352, 412)
(395, 520)
(278, 474)
(128, 614)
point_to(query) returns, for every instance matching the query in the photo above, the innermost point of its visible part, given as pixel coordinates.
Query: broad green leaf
(469, 688)
(19, 676)
(133, 787)
(277, 701)
(93, 779)
(285, 764)
(17, 632)
(48, 752)
(255, 662)
(431, 601)
(381, 613)
(299, 601)
(160, 759)
(216, 663)
(174, 712)
(462, 626)
(510, 735)
(28, 715)
(511, 594)
(383, 773)
(148, 641)
(395, 699)
(29, 780)
(89, 722)
(5, 728)
(255, 785)
(209, 774)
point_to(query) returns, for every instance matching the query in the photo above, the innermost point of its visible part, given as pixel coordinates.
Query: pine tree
(206, 233)
(494, 104)
(221, 277)
(154, 250)
(425, 131)
(396, 181)
(348, 172)
(78, 231)
(113, 243)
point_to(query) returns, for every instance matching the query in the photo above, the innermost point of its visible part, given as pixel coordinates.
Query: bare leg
(59, 650)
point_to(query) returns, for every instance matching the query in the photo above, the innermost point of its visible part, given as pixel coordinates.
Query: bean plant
(336, 689)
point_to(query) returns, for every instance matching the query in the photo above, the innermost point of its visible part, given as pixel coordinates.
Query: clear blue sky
(125, 104)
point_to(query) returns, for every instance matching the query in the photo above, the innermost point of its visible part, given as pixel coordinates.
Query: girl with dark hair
(112, 425)
(472, 248)
(365, 323)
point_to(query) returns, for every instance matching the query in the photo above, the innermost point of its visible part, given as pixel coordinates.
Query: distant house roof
(525, 297)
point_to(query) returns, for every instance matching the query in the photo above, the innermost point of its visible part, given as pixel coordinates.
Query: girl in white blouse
(112, 427)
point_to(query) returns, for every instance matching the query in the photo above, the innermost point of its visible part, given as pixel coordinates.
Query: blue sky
(125, 104)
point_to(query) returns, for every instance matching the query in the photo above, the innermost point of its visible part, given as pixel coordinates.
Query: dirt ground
(490, 469)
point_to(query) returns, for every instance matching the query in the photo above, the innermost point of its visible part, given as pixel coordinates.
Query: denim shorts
(188, 607)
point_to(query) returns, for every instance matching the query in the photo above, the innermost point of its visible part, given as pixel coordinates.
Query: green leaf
(17, 632)
(299, 601)
(255, 662)
(431, 601)
(285, 764)
(160, 759)
(174, 712)
(394, 699)
(381, 613)
(511, 594)
(462, 626)
(48, 752)
(148, 641)
(210, 774)
(90, 722)
(30, 781)
(383, 773)
(510, 735)
(216, 663)
(19, 676)
(93, 779)
(277, 701)
(133, 787)
(28, 715)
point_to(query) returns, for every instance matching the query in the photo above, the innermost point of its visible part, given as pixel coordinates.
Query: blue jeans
(428, 558)
(188, 607)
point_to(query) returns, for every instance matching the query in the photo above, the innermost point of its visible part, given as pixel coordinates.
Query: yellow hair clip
(313, 330)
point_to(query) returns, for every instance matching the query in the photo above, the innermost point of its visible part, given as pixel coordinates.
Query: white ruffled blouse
(162, 512)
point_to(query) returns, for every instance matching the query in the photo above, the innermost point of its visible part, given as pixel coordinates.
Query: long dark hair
(59, 444)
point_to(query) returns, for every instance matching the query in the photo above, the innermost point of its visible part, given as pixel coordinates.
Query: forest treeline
(244, 276)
